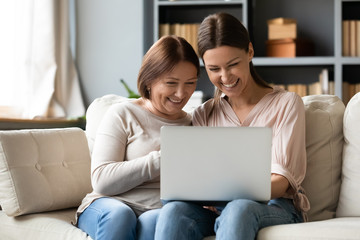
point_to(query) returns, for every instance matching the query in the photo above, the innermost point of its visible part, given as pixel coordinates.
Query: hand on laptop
(212, 208)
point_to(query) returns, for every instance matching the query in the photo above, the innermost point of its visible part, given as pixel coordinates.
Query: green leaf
(131, 93)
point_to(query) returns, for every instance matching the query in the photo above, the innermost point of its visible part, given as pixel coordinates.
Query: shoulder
(201, 113)
(205, 107)
(287, 99)
(125, 107)
(124, 112)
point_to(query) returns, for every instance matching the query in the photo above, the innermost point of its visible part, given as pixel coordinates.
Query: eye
(233, 64)
(213, 69)
(191, 83)
(171, 83)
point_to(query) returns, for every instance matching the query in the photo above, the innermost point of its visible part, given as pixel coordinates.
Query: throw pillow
(350, 191)
(43, 170)
(324, 144)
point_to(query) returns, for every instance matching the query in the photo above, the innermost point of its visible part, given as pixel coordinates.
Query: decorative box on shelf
(289, 47)
(280, 28)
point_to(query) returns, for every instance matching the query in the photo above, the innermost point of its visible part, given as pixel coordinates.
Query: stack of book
(351, 38)
(189, 31)
(323, 86)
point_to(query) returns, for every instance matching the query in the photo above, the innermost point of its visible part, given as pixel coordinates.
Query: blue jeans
(239, 219)
(110, 219)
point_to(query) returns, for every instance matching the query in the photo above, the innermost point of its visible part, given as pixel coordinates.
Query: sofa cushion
(336, 228)
(55, 225)
(350, 190)
(43, 170)
(324, 143)
(95, 113)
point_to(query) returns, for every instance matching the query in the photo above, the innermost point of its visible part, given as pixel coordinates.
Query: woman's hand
(279, 185)
(212, 208)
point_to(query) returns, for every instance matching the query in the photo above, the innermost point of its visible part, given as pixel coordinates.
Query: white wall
(109, 45)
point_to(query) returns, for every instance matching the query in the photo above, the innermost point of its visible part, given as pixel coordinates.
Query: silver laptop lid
(215, 163)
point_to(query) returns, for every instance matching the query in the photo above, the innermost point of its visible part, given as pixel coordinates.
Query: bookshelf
(322, 24)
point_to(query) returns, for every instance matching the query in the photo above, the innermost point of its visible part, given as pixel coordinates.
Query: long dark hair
(161, 58)
(223, 29)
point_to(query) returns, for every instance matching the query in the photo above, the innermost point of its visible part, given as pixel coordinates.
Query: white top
(282, 111)
(126, 157)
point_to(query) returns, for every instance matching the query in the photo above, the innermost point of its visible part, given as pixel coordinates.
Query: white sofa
(44, 174)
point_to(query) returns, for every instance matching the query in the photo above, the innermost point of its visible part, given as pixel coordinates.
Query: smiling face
(228, 69)
(170, 93)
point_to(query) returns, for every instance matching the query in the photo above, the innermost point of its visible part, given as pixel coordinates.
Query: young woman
(125, 167)
(242, 99)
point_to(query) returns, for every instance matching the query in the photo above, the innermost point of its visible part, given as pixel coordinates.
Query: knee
(147, 220)
(174, 215)
(149, 216)
(146, 224)
(173, 209)
(175, 222)
(120, 214)
(240, 207)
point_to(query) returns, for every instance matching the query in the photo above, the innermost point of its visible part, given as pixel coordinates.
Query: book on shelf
(357, 26)
(352, 35)
(291, 87)
(346, 38)
(188, 31)
(323, 86)
(345, 92)
(349, 90)
(175, 29)
(314, 88)
(300, 89)
(332, 87)
(164, 30)
(351, 38)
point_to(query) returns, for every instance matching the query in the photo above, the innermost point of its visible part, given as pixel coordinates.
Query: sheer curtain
(37, 73)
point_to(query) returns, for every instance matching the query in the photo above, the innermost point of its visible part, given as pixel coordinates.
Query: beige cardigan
(125, 162)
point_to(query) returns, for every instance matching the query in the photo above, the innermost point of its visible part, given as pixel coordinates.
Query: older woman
(125, 166)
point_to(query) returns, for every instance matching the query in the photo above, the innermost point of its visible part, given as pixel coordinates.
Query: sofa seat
(54, 225)
(335, 228)
(331, 229)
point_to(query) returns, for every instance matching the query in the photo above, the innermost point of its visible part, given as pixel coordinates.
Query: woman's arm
(111, 172)
(289, 149)
(279, 185)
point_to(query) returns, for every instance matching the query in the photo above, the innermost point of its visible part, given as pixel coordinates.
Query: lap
(108, 218)
(276, 211)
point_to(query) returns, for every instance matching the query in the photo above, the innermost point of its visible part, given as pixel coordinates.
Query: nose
(224, 75)
(180, 91)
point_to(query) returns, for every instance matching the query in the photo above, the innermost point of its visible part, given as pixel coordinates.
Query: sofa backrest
(324, 143)
(95, 113)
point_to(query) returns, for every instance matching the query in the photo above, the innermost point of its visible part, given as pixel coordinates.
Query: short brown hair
(161, 58)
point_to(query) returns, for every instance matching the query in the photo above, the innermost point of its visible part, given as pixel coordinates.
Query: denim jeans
(110, 219)
(239, 219)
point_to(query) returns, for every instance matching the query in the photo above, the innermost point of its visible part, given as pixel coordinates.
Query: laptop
(215, 164)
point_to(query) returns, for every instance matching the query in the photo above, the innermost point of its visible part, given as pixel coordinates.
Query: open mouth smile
(231, 85)
(177, 101)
